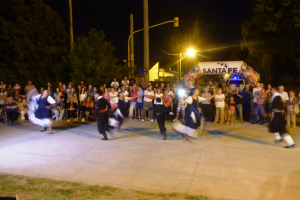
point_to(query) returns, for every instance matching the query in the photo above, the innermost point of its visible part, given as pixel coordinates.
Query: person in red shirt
(168, 105)
(132, 109)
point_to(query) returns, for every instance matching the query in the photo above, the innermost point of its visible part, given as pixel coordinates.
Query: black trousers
(161, 124)
(102, 122)
(246, 111)
(12, 116)
(206, 110)
(168, 110)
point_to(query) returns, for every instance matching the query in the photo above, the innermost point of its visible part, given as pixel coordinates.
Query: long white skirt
(181, 128)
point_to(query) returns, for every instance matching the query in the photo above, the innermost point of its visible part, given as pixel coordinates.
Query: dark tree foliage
(32, 40)
(92, 60)
(271, 40)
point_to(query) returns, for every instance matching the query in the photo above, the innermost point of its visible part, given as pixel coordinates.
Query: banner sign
(220, 67)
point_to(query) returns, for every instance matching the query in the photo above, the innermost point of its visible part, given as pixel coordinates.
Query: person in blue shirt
(11, 110)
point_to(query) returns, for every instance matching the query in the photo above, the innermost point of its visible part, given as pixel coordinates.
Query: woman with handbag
(292, 110)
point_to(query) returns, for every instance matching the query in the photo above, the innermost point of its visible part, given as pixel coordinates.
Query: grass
(29, 188)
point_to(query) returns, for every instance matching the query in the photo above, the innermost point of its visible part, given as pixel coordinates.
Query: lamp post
(190, 53)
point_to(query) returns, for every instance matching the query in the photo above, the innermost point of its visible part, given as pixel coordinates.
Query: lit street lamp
(190, 53)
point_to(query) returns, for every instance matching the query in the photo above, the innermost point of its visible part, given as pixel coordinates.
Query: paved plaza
(225, 162)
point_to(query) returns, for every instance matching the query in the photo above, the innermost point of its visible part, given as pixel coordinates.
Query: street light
(190, 53)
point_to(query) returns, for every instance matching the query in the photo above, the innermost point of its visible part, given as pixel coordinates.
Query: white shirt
(189, 100)
(49, 98)
(220, 104)
(3, 86)
(126, 94)
(3, 94)
(114, 83)
(113, 98)
(159, 96)
(284, 96)
(123, 81)
(255, 91)
(151, 93)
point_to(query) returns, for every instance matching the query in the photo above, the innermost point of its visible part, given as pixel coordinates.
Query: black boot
(104, 136)
(165, 135)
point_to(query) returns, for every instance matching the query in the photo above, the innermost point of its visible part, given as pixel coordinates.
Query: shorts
(180, 109)
(138, 105)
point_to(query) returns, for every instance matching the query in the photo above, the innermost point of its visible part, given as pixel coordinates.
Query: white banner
(220, 67)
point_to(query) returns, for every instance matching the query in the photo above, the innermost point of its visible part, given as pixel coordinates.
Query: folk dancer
(277, 124)
(102, 106)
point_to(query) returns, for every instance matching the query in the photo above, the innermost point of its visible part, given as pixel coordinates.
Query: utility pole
(71, 25)
(131, 42)
(146, 40)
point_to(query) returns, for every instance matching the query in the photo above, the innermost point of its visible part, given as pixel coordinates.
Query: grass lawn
(28, 188)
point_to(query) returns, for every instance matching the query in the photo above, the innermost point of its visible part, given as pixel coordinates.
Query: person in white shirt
(158, 95)
(148, 97)
(220, 106)
(125, 83)
(284, 95)
(113, 99)
(115, 83)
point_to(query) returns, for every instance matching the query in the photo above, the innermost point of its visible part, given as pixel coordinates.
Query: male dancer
(102, 107)
(277, 125)
(160, 110)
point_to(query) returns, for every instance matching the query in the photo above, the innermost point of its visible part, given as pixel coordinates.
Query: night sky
(208, 24)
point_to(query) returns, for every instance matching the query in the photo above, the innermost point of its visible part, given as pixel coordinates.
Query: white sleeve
(201, 98)
(189, 100)
(287, 97)
(50, 100)
(117, 84)
(112, 84)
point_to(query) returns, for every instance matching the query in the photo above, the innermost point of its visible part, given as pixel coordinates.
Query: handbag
(296, 108)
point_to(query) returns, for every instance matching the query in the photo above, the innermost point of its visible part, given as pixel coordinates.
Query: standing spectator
(231, 111)
(132, 81)
(227, 98)
(143, 84)
(269, 103)
(56, 93)
(211, 86)
(82, 84)
(238, 96)
(3, 93)
(162, 86)
(126, 101)
(115, 84)
(2, 85)
(206, 105)
(29, 87)
(10, 91)
(64, 88)
(156, 86)
(148, 97)
(125, 83)
(255, 92)
(106, 94)
(41, 90)
(168, 105)
(247, 95)
(175, 101)
(220, 106)
(260, 106)
(113, 96)
(11, 109)
(291, 115)
(284, 97)
(132, 109)
(139, 103)
(104, 86)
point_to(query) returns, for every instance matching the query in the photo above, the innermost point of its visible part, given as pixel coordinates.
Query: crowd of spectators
(78, 102)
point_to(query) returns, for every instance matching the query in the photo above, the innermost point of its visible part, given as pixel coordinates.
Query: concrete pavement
(226, 162)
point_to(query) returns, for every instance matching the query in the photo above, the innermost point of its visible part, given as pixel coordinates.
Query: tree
(32, 40)
(271, 40)
(92, 60)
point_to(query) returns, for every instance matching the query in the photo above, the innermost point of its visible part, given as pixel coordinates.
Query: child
(231, 110)
(160, 110)
(180, 108)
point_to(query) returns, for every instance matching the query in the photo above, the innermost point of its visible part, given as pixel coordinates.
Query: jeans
(239, 108)
(220, 112)
(259, 109)
(131, 109)
(246, 111)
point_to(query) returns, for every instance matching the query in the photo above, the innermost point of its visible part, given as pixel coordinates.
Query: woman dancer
(39, 109)
(192, 119)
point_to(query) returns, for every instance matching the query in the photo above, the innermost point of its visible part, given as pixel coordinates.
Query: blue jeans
(259, 109)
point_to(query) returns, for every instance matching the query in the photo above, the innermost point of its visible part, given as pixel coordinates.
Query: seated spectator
(17, 89)
(10, 91)
(90, 91)
(72, 95)
(83, 95)
(11, 110)
(72, 107)
(23, 108)
(2, 103)
(2, 85)
(87, 106)
(59, 110)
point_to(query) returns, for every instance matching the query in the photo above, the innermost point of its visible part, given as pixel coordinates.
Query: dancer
(160, 111)
(277, 124)
(40, 106)
(192, 119)
(102, 107)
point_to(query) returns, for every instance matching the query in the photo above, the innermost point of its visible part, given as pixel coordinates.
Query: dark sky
(204, 23)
